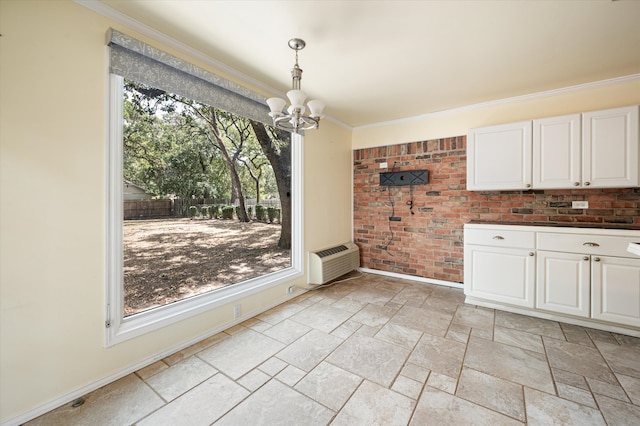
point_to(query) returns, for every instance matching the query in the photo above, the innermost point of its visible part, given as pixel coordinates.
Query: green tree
(174, 145)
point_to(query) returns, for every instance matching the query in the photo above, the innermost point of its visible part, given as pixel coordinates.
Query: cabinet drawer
(602, 245)
(500, 238)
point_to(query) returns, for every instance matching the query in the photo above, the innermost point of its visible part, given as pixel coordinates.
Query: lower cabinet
(563, 283)
(555, 272)
(505, 275)
(616, 290)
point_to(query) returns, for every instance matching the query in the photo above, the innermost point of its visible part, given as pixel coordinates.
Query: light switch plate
(579, 204)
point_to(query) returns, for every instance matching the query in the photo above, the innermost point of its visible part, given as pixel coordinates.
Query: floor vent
(330, 263)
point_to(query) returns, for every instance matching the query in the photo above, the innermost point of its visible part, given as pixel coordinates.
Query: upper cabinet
(499, 157)
(557, 152)
(590, 150)
(610, 148)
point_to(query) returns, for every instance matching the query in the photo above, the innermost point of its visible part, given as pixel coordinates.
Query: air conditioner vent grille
(332, 262)
(332, 250)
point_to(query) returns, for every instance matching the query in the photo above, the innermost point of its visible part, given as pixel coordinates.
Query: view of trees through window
(207, 198)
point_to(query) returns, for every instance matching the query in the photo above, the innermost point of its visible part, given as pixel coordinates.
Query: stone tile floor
(381, 351)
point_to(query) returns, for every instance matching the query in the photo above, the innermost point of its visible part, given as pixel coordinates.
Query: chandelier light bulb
(316, 108)
(297, 98)
(276, 105)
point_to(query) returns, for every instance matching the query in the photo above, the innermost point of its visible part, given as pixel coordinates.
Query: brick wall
(428, 243)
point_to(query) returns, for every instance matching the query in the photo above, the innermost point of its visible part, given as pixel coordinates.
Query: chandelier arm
(302, 124)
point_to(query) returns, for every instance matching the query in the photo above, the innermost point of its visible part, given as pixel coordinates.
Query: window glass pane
(206, 198)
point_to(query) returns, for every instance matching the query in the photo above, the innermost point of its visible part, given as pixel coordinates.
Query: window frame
(119, 328)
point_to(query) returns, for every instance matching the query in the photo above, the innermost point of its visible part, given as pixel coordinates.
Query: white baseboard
(84, 390)
(412, 278)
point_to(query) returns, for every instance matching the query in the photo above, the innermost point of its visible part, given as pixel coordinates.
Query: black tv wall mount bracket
(409, 177)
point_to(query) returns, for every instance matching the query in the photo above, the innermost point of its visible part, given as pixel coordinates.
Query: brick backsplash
(427, 241)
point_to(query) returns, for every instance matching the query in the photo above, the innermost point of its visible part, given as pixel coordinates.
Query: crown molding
(506, 101)
(119, 17)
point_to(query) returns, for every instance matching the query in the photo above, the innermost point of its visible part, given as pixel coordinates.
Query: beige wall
(52, 146)
(328, 161)
(53, 143)
(456, 123)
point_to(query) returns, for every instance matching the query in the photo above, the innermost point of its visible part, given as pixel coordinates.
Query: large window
(203, 202)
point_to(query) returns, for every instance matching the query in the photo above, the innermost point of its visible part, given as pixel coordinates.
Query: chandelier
(295, 120)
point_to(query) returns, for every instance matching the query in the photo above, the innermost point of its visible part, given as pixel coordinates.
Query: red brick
(434, 247)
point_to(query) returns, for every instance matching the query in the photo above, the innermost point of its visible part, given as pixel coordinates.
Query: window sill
(156, 318)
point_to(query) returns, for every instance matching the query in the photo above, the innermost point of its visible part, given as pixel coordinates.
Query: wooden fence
(155, 209)
(147, 209)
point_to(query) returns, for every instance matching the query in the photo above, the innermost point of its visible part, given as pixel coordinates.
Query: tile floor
(380, 351)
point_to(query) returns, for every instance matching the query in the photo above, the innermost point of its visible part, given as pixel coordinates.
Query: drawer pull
(530, 253)
(585, 258)
(498, 237)
(576, 183)
(597, 259)
(590, 244)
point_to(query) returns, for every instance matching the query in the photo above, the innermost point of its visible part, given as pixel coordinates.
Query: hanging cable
(393, 213)
(410, 202)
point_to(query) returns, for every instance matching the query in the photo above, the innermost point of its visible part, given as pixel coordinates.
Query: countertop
(618, 226)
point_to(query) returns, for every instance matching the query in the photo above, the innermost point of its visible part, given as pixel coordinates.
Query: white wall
(53, 79)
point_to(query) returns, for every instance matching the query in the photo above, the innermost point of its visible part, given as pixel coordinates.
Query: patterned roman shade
(138, 61)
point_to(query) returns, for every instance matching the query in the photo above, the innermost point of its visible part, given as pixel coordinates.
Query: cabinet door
(616, 290)
(563, 283)
(556, 152)
(499, 157)
(610, 148)
(503, 275)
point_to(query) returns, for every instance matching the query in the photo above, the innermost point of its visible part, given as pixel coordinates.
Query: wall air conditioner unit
(330, 263)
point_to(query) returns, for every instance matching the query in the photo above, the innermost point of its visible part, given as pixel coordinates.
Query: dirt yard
(166, 260)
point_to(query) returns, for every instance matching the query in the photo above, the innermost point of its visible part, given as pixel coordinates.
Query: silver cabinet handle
(587, 184)
(585, 258)
(530, 253)
(590, 244)
(528, 185)
(597, 259)
(498, 237)
(576, 183)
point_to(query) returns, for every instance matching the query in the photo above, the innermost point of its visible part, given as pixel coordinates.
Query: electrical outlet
(237, 311)
(384, 165)
(579, 204)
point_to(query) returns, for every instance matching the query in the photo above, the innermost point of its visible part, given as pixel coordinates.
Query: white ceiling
(376, 61)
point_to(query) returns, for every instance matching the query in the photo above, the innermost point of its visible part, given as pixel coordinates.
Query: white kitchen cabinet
(500, 265)
(563, 283)
(616, 290)
(598, 149)
(583, 276)
(610, 148)
(499, 157)
(557, 152)
(588, 275)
